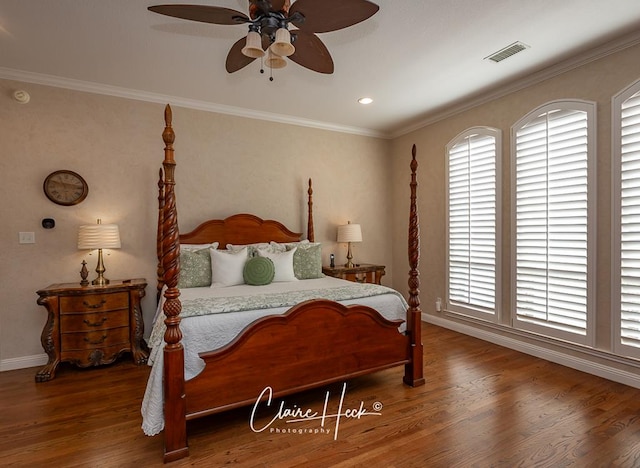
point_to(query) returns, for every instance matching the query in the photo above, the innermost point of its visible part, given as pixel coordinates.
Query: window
(553, 215)
(626, 222)
(473, 211)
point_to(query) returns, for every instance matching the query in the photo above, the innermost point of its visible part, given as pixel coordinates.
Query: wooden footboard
(315, 343)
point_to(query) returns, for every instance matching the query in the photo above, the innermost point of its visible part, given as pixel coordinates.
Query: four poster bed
(336, 332)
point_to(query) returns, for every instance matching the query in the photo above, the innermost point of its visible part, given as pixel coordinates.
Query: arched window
(626, 221)
(473, 222)
(553, 221)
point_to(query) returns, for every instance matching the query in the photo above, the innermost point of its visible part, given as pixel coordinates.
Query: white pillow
(283, 263)
(227, 267)
(198, 246)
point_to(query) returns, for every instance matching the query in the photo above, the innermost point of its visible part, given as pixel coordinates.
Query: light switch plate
(27, 238)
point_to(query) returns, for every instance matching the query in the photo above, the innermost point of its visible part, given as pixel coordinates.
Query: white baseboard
(578, 363)
(23, 362)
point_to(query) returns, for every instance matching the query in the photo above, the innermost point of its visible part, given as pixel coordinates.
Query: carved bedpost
(175, 432)
(310, 233)
(413, 372)
(160, 269)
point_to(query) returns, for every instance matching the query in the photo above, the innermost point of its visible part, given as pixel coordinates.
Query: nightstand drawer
(95, 302)
(94, 321)
(95, 339)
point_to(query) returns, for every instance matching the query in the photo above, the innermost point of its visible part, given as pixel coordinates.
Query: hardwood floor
(482, 406)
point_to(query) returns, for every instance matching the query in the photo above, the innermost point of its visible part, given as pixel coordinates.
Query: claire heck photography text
(282, 418)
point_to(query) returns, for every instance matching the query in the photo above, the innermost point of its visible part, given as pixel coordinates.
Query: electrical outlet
(438, 305)
(27, 238)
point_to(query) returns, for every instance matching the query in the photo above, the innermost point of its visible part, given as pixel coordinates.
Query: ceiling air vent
(507, 52)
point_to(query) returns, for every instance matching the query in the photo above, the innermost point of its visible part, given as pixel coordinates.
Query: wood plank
(482, 405)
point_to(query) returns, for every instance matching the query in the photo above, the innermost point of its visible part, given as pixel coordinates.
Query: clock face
(65, 188)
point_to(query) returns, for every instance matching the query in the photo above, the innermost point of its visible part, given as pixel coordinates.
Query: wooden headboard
(239, 229)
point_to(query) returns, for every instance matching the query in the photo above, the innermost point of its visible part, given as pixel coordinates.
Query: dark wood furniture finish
(362, 273)
(92, 325)
(260, 356)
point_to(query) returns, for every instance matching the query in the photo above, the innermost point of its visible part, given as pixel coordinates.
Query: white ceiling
(413, 57)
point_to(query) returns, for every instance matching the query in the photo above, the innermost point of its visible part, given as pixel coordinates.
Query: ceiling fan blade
(236, 60)
(311, 52)
(331, 15)
(202, 13)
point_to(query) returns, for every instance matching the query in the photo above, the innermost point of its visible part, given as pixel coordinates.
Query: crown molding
(552, 71)
(176, 101)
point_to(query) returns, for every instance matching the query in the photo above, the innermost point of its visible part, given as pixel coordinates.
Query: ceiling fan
(269, 33)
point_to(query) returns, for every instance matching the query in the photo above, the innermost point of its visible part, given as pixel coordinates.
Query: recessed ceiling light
(365, 100)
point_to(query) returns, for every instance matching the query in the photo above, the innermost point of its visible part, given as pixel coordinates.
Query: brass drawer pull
(97, 342)
(94, 306)
(95, 324)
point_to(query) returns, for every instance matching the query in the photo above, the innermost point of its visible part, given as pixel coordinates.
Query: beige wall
(225, 165)
(596, 81)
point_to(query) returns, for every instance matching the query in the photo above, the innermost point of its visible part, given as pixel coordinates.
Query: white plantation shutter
(472, 222)
(551, 183)
(627, 156)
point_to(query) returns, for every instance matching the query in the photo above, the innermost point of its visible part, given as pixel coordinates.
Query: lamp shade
(282, 45)
(349, 233)
(274, 61)
(98, 236)
(253, 47)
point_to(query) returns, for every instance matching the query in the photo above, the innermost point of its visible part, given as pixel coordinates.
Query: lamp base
(100, 281)
(100, 269)
(349, 263)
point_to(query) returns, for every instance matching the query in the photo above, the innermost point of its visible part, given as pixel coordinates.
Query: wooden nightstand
(92, 325)
(362, 273)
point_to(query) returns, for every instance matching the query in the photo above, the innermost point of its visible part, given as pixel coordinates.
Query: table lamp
(349, 233)
(99, 236)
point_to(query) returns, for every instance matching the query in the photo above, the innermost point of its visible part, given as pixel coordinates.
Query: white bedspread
(207, 332)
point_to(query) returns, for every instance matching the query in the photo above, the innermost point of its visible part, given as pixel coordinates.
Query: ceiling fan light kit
(269, 29)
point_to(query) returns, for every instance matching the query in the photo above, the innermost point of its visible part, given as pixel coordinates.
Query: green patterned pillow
(307, 261)
(259, 271)
(195, 268)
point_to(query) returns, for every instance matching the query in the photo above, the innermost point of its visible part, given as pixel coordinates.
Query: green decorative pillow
(195, 268)
(307, 261)
(259, 271)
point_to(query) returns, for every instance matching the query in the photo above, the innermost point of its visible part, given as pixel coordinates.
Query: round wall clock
(65, 188)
